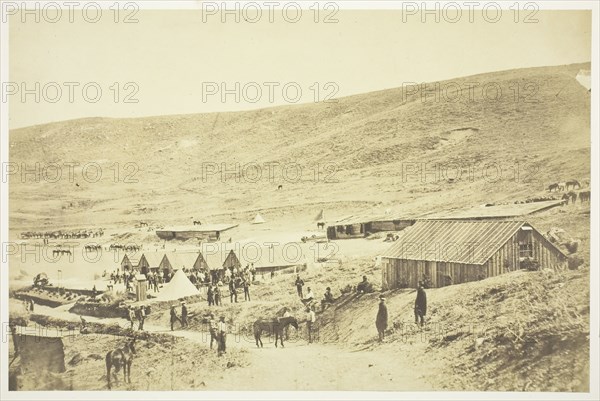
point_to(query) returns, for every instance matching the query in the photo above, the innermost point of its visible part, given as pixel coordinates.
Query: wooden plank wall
(407, 273)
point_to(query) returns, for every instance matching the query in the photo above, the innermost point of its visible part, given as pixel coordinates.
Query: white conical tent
(258, 219)
(585, 79)
(179, 286)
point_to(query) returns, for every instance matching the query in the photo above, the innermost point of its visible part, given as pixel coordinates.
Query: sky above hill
(177, 62)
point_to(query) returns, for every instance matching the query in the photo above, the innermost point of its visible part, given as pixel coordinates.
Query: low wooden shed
(444, 252)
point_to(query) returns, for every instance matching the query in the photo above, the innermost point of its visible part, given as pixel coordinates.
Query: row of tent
(261, 258)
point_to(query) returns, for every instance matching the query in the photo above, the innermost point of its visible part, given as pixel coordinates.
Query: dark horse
(120, 358)
(277, 326)
(573, 184)
(320, 225)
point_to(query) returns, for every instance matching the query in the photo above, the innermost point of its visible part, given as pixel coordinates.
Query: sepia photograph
(299, 200)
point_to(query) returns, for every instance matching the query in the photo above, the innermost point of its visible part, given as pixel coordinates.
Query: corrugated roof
(457, 241)
(362, 218)
(199, 228)
(497, 211)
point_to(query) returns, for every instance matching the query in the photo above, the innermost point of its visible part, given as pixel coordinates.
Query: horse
(143, 224)
(573, 184)
(584, 196)
(552, 187)
(277, 326)
(197, 223)
(120, 358)
(570, 196)
(320, 225)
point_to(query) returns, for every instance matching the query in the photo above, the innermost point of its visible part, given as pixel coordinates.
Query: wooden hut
(182, 260)
(128, 263)
(444, 252)
(360, 226)
(150, 261)
(266, 260)
(205, 232)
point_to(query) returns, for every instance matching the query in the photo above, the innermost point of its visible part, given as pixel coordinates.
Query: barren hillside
(506, 138)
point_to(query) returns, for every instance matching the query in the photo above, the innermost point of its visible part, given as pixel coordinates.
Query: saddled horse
(120, 358)
(277, 326)
(572, 184)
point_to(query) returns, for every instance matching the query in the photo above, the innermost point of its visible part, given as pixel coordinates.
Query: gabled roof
(265, 257)
(511, 210)
(199, 228)
(456, 241)
(182, 259)
(369, 217)
(215, 259)
(153, 258)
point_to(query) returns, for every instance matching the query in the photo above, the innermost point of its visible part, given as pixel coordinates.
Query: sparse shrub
(530, 264)
(574, 262)
(572, 246)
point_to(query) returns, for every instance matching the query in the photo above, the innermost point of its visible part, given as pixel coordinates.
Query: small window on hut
(525, 242)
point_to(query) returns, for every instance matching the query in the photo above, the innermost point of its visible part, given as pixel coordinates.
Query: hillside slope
(361, 146)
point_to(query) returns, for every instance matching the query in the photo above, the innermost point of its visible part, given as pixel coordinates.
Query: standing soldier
(174, 317)
(222, 330)
(299, 284)
(210, 296)
(131, 314)
(232, 291)
(218, 300)
(246, 284)
(213, 328)
(420, 304)
(382, 318)
(141, 317)
(310, 320)
(184, 315)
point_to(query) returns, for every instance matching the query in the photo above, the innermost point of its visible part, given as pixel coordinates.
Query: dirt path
(321, 367)
(298, 366)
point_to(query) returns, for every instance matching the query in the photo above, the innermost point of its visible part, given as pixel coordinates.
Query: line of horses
(78, 234)
(127, 247)
(572, 196)
(564, 186)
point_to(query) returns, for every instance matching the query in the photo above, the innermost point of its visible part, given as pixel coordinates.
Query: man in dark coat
(210, 296)
(184, 315)
(299, 284)
(232, 291)
(174, 317)
(382, 318)
(420, 305)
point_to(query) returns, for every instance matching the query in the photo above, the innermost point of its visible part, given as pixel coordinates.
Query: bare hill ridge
(507, 137)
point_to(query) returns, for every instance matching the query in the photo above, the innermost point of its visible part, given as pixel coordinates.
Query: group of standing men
(420, 310)
(138, 314)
